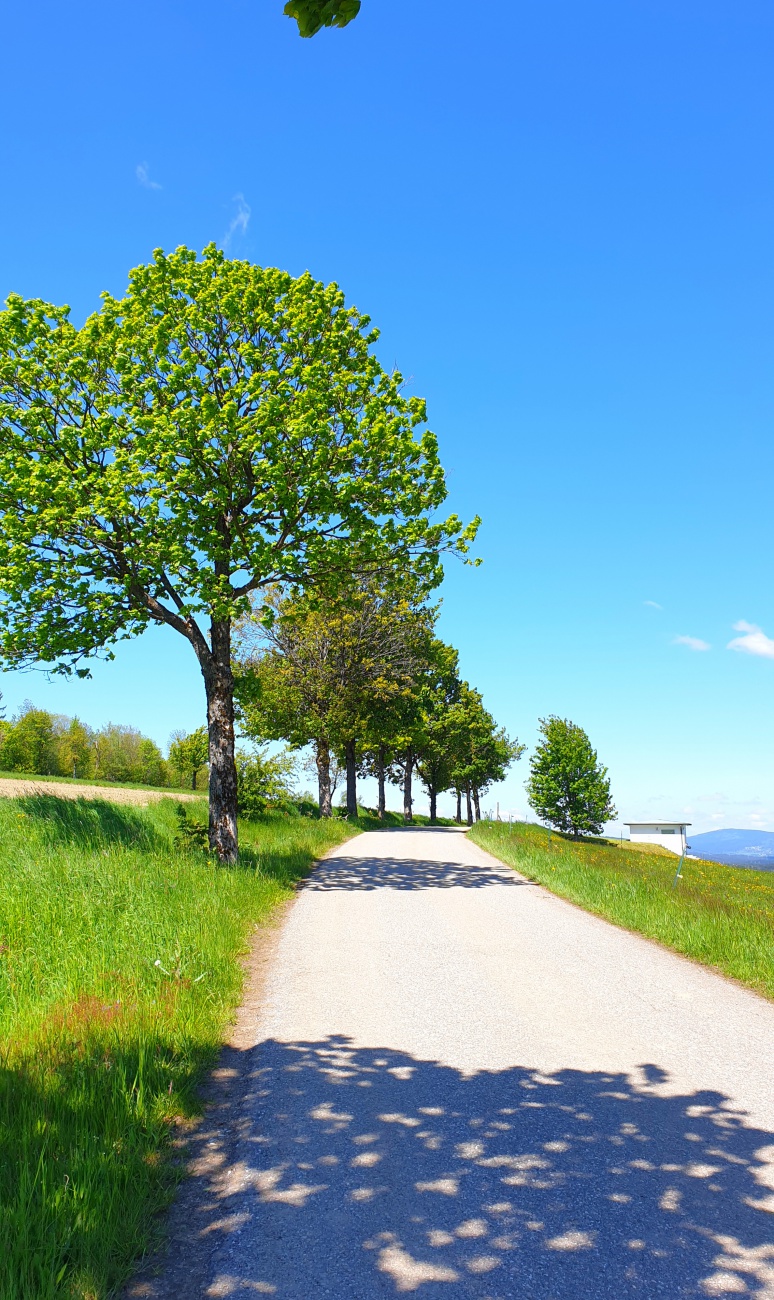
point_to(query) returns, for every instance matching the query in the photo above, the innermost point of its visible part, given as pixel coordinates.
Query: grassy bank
(368, 820)
(118, 973)
(721, 916)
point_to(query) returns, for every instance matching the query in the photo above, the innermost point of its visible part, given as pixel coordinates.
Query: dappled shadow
(349, 872)
(361, 1173)
(90, 823)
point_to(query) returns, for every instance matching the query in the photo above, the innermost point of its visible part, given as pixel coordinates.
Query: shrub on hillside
(265, 782)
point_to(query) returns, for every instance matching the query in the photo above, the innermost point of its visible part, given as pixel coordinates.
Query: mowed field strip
(15, 788)
(456, 1084)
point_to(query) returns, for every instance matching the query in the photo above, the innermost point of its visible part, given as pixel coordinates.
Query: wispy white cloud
(753, 641)
(653, 604)
(692, 643)
(240, 221)
(143, 177)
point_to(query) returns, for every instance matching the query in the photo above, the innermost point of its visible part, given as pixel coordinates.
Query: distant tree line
(40, 743)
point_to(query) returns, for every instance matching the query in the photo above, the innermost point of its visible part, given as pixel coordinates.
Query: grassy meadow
(119, 971)
(721, 916)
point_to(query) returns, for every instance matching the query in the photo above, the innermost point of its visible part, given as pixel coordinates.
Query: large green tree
(221, 428)
(568, 787)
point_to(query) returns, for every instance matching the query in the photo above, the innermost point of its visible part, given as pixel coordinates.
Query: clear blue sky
(560, 216)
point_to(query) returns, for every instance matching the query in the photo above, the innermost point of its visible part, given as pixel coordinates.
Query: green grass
(720, 916)
(119, 970)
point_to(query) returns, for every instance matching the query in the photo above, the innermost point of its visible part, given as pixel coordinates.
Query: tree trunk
(469, 809)
(322, 757)
(407, 800)
(382, 802)
(458, 814)
(351, 778)
(219, 685)
(476, 803)
(433, 803)
(193, 779)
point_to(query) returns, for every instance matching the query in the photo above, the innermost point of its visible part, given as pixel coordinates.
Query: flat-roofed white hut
(670, 835)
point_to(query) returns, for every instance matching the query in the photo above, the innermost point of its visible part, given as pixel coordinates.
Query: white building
(670, 835)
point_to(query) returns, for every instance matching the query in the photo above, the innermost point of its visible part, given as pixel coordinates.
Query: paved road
(465, 1087)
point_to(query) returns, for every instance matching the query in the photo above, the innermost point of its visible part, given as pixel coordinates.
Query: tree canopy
(221, 428)
(312, 15)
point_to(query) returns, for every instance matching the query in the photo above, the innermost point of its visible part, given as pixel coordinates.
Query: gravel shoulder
(449, 1082)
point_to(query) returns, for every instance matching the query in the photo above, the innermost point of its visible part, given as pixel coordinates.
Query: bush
(264, 782)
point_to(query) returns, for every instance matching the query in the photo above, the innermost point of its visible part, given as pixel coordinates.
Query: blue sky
(560, 217)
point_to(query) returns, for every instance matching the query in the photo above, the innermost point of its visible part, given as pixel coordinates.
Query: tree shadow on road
(349, 872)
(360, 1173)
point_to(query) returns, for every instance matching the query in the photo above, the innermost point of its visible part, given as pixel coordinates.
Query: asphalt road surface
(465, 1087)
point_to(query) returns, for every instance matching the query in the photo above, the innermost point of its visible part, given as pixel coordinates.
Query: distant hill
(737, 848)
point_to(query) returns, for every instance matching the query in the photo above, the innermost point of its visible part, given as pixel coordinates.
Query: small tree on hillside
(188, 754)
(568, 787)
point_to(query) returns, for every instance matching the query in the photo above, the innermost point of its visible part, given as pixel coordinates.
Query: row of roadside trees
(220, 452)
(360, 676)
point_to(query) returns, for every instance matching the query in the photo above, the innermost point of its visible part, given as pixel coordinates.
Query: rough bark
(219, 685)
(476, 803)
(469, 808)
(408, 768)
(323, 761)
(433, 803)
(351, 756)
(382, 801)
(458, 814)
